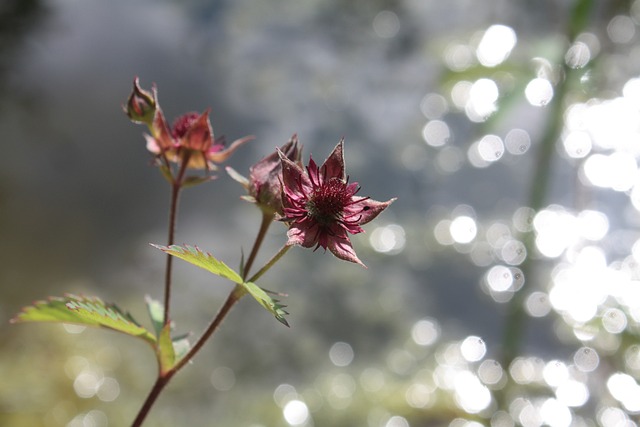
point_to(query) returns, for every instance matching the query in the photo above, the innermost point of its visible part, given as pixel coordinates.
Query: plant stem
(283, 250)
(176, 186)
(516, 316)
(159, 385)
(234, 296)
(267, 219)
(163, 379)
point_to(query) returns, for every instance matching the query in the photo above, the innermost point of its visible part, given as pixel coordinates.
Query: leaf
(88, 311)
(272, 305)
(156, 313)
(166, 353)
(205, 260)
(208, 262)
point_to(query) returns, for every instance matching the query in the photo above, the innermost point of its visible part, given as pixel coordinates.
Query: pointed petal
(334, 165)
(365, 210)
(341, 247)
(295, 181)
(199, 136)
(221, 156)
(160, 131)
(303, 234)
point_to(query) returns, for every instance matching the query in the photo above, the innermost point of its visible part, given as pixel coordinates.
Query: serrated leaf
(193, 255)
(156, 313)
(272, 305)
(88, 311)
(208, 262)
(165, 351)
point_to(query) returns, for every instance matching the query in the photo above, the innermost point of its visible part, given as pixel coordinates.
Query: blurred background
(503, 286)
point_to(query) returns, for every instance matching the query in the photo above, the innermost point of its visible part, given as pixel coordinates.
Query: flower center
(183, 123)
(327, 202)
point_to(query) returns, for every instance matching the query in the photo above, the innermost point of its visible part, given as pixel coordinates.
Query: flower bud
(141, 105)
(265, 177)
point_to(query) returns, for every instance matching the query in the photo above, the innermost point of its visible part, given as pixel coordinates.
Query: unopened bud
(141, 105)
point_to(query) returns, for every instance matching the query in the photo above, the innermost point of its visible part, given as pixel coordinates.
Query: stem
(516, 316)
(270, 263)
(163, 379)
(176, 186)
(159, 385)
(267, 219)
(234, 296)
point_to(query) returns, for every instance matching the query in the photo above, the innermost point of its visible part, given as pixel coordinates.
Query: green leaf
(272, 305)
(165, 351)
(201, 259)
(208, 262)
(156, 313)
(87, 311)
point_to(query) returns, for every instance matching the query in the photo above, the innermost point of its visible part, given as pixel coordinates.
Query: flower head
(321, 206)
(189, 140)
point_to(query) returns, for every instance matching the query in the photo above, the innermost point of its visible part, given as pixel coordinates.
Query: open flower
(189, 140)
(321, 206)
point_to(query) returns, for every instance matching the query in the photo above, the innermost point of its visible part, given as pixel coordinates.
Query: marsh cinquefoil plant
(318, 204)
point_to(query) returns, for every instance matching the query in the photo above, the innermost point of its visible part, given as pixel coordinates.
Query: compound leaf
(193, 255)
(87, 311)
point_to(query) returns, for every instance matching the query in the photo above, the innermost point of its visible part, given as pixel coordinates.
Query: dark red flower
(321, 206)
(190, 138)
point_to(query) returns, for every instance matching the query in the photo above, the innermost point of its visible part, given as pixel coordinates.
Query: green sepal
(165, 351)
(181, 346)
(166, 172)
(86, 311)
(156, 313)
(236, 176)
(192, 181)
(205, 260)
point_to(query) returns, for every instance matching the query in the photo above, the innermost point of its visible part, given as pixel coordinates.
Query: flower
(189, 140)
(321, 206)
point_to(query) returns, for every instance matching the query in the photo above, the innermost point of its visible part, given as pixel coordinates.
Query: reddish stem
(176, 186)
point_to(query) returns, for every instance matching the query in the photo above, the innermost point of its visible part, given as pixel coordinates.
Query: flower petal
(341, 247)
(221, 156)
(160, 131)
(199, 135)
(303, 233)
(295, 182)
(364, 210)
(333, 167)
